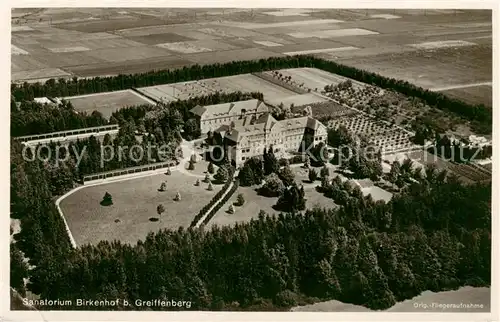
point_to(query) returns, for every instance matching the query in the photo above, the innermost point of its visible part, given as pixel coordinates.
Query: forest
(433, 235)
(479, 115)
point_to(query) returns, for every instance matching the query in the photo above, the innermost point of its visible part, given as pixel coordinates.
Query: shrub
(286, 298)
(273, 186)
(240, 200)
(107, 200)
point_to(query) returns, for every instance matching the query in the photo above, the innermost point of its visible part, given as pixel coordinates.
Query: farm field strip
(68, 49)
(39, 74)
(334, 33)
(247, 25)
(18, 51)
(385, 16)
(289, 12)
(317, 51)
(442, 44)
(267, 43)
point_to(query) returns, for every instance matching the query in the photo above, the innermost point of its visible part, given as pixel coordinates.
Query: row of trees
(225, 174)
(477, 113)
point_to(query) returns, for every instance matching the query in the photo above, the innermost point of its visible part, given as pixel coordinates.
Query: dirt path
(438, 89)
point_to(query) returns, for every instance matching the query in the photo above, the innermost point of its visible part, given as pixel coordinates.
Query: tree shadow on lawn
(106, 203)
(153, 219)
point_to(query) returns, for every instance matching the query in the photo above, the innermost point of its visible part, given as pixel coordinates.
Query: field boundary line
(144, 97)
(95, 94)
(445, 88)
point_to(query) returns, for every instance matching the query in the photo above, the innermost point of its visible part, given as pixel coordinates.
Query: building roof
(229, 109)
(265, 123)
(43, 100)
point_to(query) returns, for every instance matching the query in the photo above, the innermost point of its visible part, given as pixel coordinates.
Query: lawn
(134, 203)
(254, 203)
(106, 103)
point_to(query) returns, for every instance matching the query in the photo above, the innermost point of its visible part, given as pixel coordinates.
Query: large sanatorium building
(247, 128)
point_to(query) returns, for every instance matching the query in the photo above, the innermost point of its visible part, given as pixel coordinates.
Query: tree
(163, 186)
(160, 209)
(168, 172)
(210, 187)
(222, 174)
(197, 183)
(307, 162)
(287, 176)
(256, 164)
(207, 178)
(240, 200)
(177, 197)
(210, 168)
(325, 172)
(292, 199)
(313, 175)
(273, 186)
(191, 165)
(107, 200)
(231, 209)
(246, 176)
(271, 164)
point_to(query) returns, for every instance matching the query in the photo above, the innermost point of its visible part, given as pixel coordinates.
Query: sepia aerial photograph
(251, 159)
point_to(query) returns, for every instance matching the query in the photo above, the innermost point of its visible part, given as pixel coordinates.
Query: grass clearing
(473, 95)
(134, 203)
(106, 103)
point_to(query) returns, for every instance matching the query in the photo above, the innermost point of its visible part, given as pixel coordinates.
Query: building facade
(211, 117)
(247, 137)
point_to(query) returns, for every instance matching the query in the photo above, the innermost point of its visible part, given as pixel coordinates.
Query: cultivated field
(107, 103)
(434, 68)
(134, 203)
(405, 44)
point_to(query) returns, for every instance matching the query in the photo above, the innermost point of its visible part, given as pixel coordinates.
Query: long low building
(211, 117)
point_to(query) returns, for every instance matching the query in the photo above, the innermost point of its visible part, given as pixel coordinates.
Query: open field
(134, 203)
(106, 103)
(380, 40)
(436, 68)
(473, 95)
